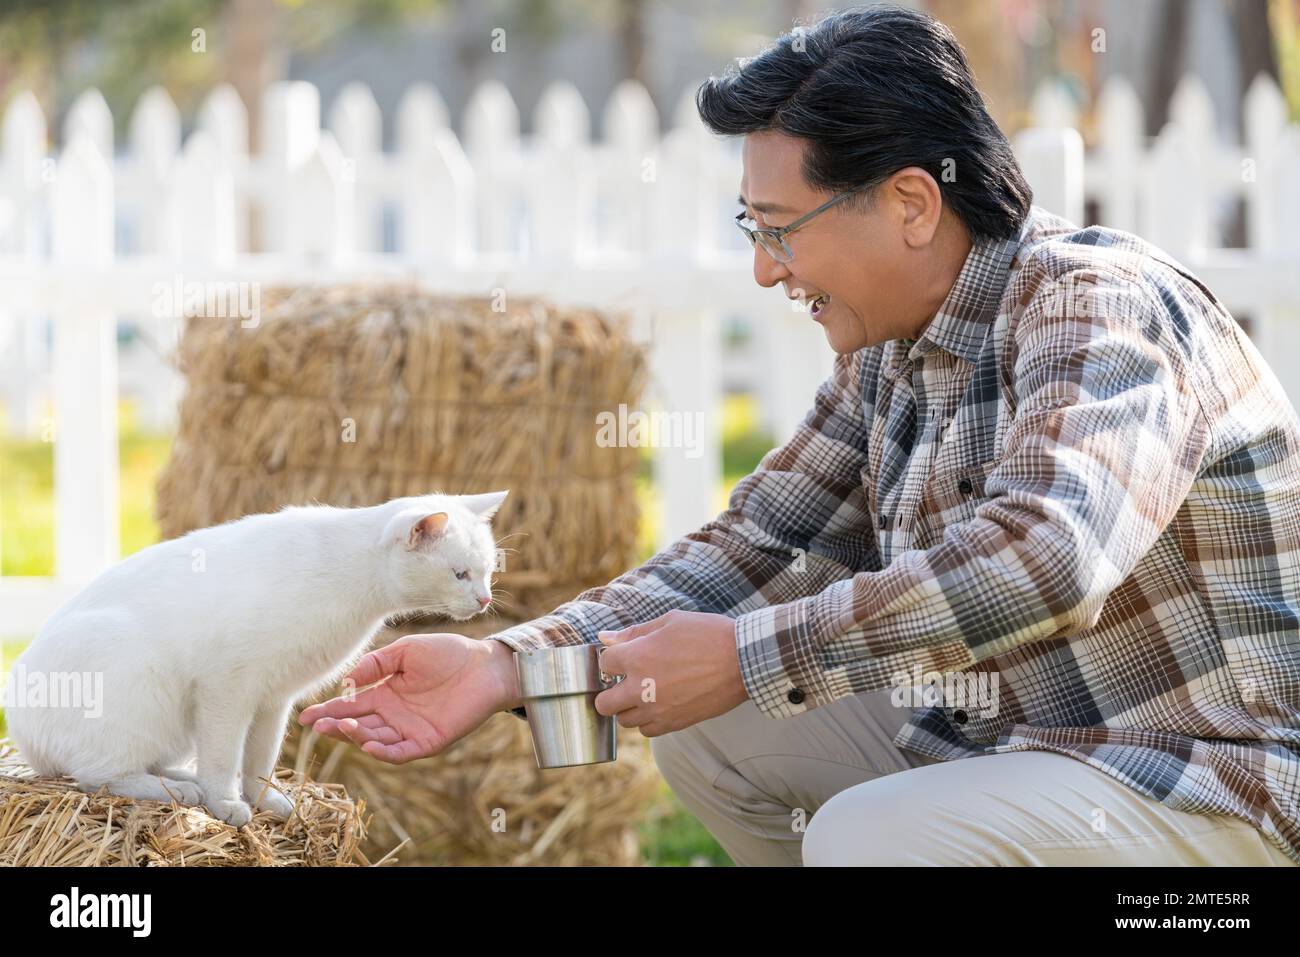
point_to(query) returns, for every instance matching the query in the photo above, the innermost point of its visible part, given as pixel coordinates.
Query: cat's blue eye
(463, 576)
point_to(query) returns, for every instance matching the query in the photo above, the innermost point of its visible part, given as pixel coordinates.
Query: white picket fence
(636, 221)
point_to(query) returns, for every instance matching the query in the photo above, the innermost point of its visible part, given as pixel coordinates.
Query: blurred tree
(995, 37)
(632, 38)
(57, 49)
(1252, 40)
(1285, 18)
(124, 46)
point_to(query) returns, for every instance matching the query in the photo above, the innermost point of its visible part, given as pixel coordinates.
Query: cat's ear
(486, 504)
(426, 530)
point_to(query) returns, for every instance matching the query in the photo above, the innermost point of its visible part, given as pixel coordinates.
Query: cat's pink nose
(484, 602)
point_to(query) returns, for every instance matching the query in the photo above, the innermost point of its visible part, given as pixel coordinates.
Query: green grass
(743, 445)
(27, 496)
(670, 835)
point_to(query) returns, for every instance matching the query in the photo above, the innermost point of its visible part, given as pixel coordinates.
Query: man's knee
(839, 834)
(863, 826)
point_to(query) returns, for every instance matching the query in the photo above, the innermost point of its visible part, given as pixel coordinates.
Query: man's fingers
(362, 704)
(397, 753)
(617, 699)
(369, 728)
(378, 664)
(633, 718)
(612, 657)
(633, 631)
(360, 733)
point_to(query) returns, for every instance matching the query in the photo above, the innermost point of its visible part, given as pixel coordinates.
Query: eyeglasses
(773, 240)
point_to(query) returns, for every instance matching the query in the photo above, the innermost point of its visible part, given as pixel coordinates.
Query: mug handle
(606, 679)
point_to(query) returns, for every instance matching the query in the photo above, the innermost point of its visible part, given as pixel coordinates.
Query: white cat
(204, 642)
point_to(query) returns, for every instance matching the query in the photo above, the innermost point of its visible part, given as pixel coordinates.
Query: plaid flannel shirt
(1077, 493)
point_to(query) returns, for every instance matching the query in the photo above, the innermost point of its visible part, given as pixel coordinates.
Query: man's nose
(767, 271)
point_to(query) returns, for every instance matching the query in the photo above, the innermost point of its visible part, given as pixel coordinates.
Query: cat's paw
(234, 813)
(183, 792)
(272, 802)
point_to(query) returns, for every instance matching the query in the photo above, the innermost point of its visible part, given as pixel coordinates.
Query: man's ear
(919, 201)
(428, 529)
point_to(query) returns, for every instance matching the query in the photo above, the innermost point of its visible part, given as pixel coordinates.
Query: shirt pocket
(949, 498)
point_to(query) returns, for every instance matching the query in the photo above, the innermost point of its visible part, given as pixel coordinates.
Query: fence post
(629, 166)
(491, 137)
(1277, 327)
(685, 358)
(89, 115)
(155, 142)
(1120, 129)
(322, 217)
(1052, 161)
(358, 126)
(1265, 120)
(561, 180)
(290, 134)
(1174, 215)
(436, 219)
(85, 370)
(24, 171)
(686, 362)
(224, 117)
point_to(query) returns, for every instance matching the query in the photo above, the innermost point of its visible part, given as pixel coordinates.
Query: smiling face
(869, 274)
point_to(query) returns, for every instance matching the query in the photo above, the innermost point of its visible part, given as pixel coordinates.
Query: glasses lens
(773, 247)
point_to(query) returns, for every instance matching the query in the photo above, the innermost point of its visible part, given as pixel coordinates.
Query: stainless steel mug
(559, 687)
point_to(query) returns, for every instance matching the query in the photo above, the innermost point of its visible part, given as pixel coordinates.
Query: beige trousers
(830, 788)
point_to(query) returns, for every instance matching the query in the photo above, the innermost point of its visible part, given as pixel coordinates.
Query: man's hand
(680, 668)
(438, 688)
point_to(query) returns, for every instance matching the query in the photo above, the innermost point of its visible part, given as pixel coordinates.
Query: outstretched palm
(438, 689)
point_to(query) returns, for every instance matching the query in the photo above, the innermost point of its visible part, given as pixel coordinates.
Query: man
(1048, 464)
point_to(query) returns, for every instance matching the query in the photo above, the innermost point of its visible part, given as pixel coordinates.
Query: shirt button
(965, 486)
(959, 716)
(884, 521)
(795, 696)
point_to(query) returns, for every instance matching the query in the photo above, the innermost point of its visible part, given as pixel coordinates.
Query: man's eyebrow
(765, 207)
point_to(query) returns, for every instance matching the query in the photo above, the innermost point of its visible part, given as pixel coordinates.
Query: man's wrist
(504, 662)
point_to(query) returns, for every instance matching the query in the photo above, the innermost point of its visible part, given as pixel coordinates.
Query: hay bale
(450, 808)
(48, 822)
(440, 394)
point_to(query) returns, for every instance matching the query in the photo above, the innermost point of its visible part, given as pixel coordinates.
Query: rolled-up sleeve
(1106, 440)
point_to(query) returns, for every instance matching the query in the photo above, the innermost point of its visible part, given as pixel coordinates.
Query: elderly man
(1042, 517)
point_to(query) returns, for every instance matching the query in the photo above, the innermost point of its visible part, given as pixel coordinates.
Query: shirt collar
(963, 320)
